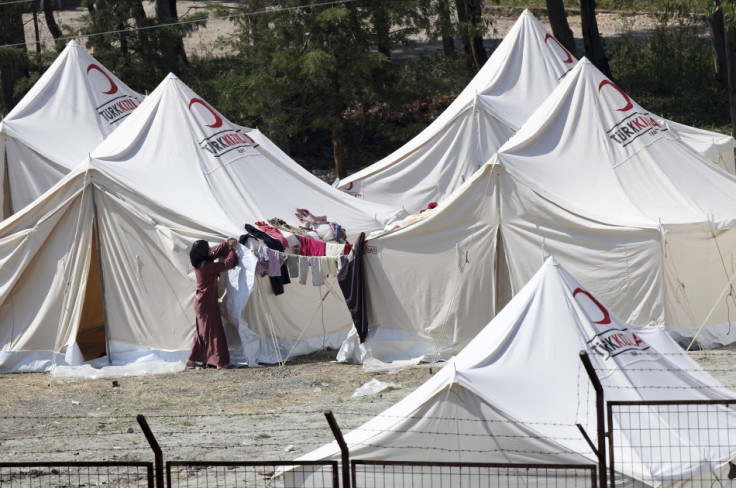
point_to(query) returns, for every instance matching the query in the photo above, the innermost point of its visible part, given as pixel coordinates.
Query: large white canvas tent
(75, 104)
(100, 261)
(525, 67)
(518, 390)
(523, 70)
(642, 220)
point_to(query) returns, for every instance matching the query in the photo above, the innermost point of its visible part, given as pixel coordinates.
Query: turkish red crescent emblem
(113, 86)
(606, 317)
(569, 56)
(628, 105)
(350, 186)
(218, 119)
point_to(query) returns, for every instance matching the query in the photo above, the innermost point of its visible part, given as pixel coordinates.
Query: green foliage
(131, 44)
(670, 71)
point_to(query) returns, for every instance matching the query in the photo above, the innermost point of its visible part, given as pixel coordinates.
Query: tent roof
(593, 150)
(521, 72)
(516, 392)
(75, 104)
(183, 154)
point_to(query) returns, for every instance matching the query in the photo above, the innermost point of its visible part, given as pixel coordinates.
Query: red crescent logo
(218, 120)
(569, 56)
(606, 317)
(628, 105)
(350, 186)
(113, 86)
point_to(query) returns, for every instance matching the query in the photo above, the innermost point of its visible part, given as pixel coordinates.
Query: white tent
(517, 392)
(644, 222)
(719, 148)
(175, 171)
(523, 70)
(67, 112)
(525, 67)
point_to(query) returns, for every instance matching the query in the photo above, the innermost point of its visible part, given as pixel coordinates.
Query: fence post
(600, 416)
(343, 448)
(158, 456)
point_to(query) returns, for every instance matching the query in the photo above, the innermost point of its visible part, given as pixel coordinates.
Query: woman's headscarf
(199, 253)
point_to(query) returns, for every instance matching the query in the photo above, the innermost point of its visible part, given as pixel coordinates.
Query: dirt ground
(268, 413)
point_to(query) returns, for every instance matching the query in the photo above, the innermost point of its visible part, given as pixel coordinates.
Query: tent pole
(96, 229)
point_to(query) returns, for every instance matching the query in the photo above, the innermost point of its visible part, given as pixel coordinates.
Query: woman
(209, 346)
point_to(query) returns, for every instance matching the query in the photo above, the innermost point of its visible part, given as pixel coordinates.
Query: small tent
(75, 104)
(523, 70)
(99, 265)
(517, 392)
(643, 221)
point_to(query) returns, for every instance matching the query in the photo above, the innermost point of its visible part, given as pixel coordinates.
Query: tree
(13, 53)
(135, 46)
(307, 67)
(718, 41)
(730, 39)
(560, 27)
(470, 18)
(445, 24)
(171, 41)
(48, 13)
(591, 37)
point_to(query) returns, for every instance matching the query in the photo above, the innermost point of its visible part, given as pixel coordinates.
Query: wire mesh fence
(397, 474)
(266, 474)
(76, 474)
(672, 442)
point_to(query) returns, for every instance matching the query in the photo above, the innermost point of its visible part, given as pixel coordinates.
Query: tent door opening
(92, 336)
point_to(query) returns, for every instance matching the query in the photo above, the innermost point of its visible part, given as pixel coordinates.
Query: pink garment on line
(273, 232)
(305, 216)
(311, 247)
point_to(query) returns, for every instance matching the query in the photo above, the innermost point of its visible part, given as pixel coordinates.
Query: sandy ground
(268, 413)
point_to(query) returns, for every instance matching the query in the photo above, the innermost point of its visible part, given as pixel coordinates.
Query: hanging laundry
(314, 265)
(311, 247)
(305, 216)
(273, 232)
(351, 281)
(277, 282)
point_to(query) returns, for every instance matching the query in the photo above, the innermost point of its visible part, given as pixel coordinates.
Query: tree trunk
(382, 24)
(469, 15)
(591, 37)
(560, 28)
(13, 60)
(443, 17)
(731, 68)
(172, 44)
(475, 12)
(718, 41)
(48, 13)
(338, 149)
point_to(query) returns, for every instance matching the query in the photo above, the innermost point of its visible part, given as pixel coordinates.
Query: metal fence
(399, 474)
(690, 441)
(270, 474)
(76, 474)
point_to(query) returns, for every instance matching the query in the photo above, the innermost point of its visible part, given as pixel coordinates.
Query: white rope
(720, 297)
